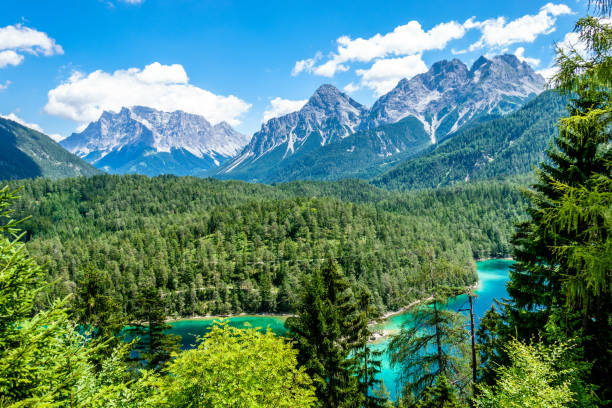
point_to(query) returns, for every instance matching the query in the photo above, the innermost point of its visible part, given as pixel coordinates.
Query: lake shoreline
(385, 316)
(507, 258)
(228, 316)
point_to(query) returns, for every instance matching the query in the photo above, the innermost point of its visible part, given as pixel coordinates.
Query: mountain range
(333, 136)
(452, 123)
(450, 94)
(506, 146)
(148, 141)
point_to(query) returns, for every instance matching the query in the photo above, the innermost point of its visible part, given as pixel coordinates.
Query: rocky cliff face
(139, 135)
(450, 94)
(328, 116)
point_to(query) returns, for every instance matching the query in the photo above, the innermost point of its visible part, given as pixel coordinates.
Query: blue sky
(63, 62)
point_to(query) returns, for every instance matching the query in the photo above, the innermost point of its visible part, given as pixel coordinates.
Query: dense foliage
(560, 286)
(432, 346)
(532, 379)
(326, 331)
(240, 368)
(219, 247)
(47, 361)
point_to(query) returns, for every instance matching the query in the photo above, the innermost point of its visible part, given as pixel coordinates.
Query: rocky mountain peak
(450, 94)
(329, 115)
(329, 98)
(142, 130)
(479, 63)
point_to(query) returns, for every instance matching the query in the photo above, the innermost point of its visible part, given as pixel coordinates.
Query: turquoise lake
(493, 275)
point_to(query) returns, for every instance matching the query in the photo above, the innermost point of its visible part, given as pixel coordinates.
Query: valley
(215, 220)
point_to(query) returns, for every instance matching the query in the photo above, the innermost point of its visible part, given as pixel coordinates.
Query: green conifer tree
(97, 312)
(155, 347)
(325, 333)
(434, 343)
(560, 286)
(367, 360)
(440, 395)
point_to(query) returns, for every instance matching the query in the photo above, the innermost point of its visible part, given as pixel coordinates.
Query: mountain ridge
(330, 115)
(143, 139)
(28, 153)
(443, 100)
(450, 94)
(510, 145)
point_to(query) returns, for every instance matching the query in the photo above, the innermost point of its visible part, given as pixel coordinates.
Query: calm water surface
(493, 275)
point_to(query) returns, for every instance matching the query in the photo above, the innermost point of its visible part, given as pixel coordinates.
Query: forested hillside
(506, 146)
(221, 247)
(27, 153)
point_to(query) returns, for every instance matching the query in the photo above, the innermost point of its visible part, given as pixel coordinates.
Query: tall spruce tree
(155, 347)
(367, 360)
(325, 332)
(433, 344)
(561, 284)
(97, 312)
(488, 342)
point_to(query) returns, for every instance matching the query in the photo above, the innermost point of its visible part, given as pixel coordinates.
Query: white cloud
(158, 73)
(408, 39)
(556, 9)
(83, 97)
(5, 85)
(499, 33)
(330, 68)
(548, 73)
(398, 54)
(384, 74)
(351, 87)
(15, 118)
(520, 54)
(17, 39)
(306, 64)
(279, 106)
(10, 57)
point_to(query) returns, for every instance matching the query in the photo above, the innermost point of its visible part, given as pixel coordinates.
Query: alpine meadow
(311, 205)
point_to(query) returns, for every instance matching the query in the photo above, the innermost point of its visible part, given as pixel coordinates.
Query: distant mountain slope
(26, 153)
(147, 141)
(357, 154)
(450, 95)
(329, 116)
(505, 146)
